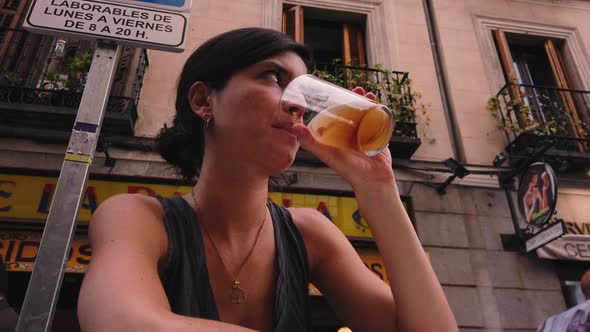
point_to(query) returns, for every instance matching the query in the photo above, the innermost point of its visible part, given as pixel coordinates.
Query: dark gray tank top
(186, 279)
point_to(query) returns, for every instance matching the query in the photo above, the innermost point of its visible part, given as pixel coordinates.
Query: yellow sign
(29, 197)
(19, 251)
(24, 197)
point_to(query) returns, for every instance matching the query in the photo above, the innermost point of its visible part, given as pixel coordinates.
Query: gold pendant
(238, 295)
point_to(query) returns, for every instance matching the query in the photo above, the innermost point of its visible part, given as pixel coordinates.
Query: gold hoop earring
(207, 118)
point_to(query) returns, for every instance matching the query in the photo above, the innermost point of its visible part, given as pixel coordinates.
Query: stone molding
(485, 24)
(378, 50)
(576, 4)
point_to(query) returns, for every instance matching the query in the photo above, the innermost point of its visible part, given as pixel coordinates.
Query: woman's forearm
(420, 301)
(173, 323)
(141, 318)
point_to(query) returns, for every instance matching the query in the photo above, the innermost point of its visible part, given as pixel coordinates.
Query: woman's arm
(420, 304)
(362, 300)
(122, 289)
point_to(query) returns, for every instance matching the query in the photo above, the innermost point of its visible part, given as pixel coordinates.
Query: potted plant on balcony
(392, 89)
(76, 68)
(534, 117)
(517, 117)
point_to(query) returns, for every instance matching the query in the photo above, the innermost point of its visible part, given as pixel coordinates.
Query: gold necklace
(238, 295)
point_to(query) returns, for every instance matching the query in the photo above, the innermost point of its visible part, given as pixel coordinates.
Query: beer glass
(339, 117)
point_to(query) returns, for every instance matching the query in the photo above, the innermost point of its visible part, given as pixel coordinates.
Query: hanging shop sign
(545, 236)
(28, 198)
(19, 251)
(574, 245)
(537, 194)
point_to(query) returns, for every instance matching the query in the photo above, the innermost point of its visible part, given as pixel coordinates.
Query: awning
(567, 247)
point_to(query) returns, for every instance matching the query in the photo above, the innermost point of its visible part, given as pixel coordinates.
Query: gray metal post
(513, 214)
(43, 291)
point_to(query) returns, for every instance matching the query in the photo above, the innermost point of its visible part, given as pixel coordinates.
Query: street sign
(545, 236)
(126, 24)
(170, 5)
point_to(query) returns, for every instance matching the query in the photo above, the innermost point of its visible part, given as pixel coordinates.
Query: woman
(532, 199)
(222, 257)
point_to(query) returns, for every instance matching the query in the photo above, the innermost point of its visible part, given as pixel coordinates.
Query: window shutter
(506, 58)
(562, 80)
(353, 53)
(353, 50)
(10, 20)
(509, 70)
(293, 23)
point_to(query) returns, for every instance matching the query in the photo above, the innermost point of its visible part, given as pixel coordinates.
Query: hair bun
(178, 148)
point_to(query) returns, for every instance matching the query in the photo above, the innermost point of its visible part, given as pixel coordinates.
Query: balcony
(42, 79)
(392, 89)
(544, 122)
(55, 110)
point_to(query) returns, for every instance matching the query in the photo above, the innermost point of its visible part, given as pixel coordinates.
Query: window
(330, 34)
(535, 67)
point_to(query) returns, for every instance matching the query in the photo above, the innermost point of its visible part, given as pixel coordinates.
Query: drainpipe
(454, 134)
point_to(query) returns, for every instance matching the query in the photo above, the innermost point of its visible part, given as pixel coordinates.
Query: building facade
(493, 85)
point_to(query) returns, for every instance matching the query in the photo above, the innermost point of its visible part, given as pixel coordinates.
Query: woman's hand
(356, 168)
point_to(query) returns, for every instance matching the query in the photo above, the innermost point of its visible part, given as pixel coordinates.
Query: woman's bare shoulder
(313, 223)
(127, 209)
(303, 214)
(317, 231)
(121, 201)
(135, 217)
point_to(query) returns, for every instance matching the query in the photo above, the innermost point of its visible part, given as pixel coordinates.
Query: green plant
(517, 117)
(75, 67)
(8, 76)
(51, 79)
(391, 88)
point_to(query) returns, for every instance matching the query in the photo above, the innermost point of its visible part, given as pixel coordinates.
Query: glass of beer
(337, 116)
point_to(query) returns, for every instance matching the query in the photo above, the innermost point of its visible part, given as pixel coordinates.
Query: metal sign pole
(43, 290)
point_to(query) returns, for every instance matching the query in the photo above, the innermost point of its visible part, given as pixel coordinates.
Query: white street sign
(126, 24)
(545, 236)
(170, 5)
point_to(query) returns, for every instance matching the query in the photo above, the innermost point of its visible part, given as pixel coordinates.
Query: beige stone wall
(488, 288)
(408, 40)
(471, 82)
(467, 63)
(411, 52)
(208, 18)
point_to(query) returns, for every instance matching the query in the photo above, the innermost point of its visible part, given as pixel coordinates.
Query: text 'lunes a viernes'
(104, 19)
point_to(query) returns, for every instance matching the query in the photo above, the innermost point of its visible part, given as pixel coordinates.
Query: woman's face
(248, 124)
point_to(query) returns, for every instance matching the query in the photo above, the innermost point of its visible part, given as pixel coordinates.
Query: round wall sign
(537, 194)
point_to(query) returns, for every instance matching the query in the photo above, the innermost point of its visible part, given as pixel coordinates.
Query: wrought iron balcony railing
(546, 121)
(56, 109)
(393, 89)
(42, 79)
